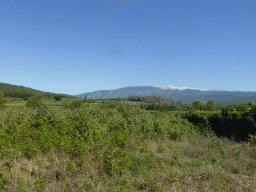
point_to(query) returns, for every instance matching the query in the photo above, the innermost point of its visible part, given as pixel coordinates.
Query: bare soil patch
(16, 104)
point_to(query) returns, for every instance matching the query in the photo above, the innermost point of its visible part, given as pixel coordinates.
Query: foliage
(253, 111)
(121, 148)
(251, 104)
(35, 101)
(2, 100)
(89, 100)
(76, 104)
(26, 92)
(26, 97)
(134, 98)
(231, 108)
(162, 107)
(224, 112)
(242, 107)
(197, 104)
(179, 106)
(210, 106)
(48, 116)
(57, 97)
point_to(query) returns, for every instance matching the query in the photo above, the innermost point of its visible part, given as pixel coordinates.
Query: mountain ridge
(184, 94)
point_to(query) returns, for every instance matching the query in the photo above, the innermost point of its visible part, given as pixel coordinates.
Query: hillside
(25, 92)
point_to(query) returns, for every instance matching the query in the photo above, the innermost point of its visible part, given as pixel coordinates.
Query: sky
(75, 46)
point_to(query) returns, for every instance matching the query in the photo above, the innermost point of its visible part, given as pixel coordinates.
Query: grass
(124, 148)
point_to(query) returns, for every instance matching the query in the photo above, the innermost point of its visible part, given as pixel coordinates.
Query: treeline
(173, 105)
(160, 103)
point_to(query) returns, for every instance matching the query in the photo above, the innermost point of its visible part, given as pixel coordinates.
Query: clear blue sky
(74, 47)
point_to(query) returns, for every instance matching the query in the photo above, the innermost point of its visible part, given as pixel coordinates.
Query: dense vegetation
(150, 144)
(14, 91)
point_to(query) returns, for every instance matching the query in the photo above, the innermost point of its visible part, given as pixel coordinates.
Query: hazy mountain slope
(185, 95)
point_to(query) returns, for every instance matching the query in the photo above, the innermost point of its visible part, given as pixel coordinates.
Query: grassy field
(118, 148)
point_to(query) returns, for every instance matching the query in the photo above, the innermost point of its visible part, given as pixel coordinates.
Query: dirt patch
(16, 104)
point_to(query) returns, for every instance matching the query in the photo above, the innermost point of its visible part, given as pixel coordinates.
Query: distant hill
(26, 92)
(184, 94)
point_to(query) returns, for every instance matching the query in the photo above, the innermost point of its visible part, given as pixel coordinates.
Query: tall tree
(2, 100)
(196, 104)
(210, 106)
(251, 103)
(242, 107)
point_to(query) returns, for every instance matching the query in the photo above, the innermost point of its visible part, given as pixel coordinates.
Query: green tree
(253, 110)
(231, 108)
(76, 104)
(162, 107)
(196, 104)
(179, 105)
(242, 107)
(251, 104)
(202, 105)
(57, 98)
(224, 112)
(35, 101)
(217, 106)
(26, 96)
(118, 98)
(190, 107)
(210, 106)
(2, 100)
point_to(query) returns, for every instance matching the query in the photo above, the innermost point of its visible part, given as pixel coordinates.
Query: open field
(120, 148)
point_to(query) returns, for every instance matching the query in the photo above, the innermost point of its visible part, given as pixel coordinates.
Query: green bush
(76, 104)
(89, 101)
(26, 97)
(35, 101)
(242, 107)
(253, 111)
(231, 108)
(162, 107)
(251, 103)
(47, 115)
(57, 98)
(2, 100)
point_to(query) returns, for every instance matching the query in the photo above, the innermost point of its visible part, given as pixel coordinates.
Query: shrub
(253, 110)
(2, 100)
(26, 97)
(231, 108)
(48, 116)
(35, 101)
(76, 104)
(89, 100)
(162, 107)
(242, 107)
(57, 97)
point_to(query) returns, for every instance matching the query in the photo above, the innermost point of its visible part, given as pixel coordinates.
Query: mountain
(185, 94)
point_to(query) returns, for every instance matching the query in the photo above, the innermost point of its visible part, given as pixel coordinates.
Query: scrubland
(117, 147)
